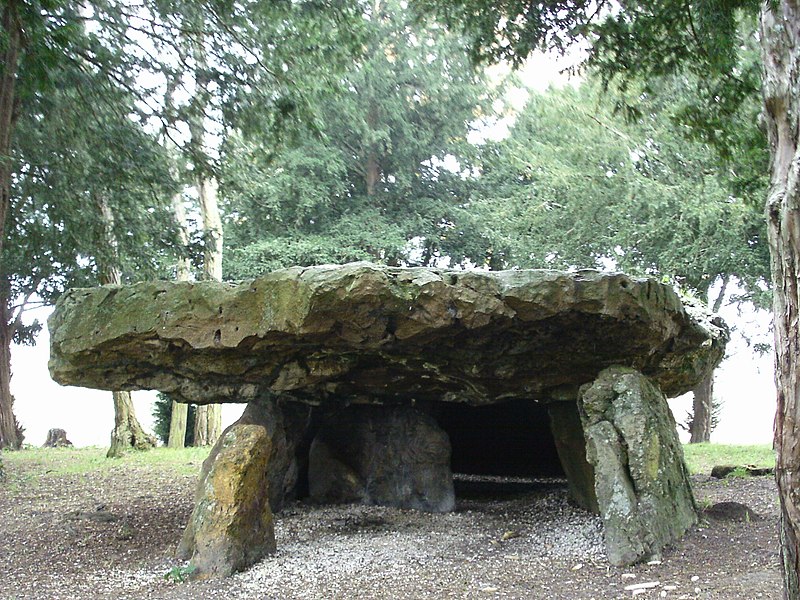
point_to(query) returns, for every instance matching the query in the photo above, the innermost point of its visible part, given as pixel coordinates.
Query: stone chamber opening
(499, 449)
(496, 450)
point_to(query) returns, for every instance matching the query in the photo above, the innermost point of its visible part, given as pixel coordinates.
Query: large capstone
(641, 480)
(380, 334)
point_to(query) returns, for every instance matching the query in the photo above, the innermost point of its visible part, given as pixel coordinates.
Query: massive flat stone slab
(374, 333)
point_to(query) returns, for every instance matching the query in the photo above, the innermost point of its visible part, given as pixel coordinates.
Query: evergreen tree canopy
(373, 177)
(576, 185)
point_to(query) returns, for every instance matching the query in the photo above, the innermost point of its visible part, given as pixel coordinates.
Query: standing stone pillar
(250, 472)
(641, 480)
(565, 423)
(231, 526)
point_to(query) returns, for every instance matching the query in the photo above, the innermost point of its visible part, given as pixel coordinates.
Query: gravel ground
(113, 534)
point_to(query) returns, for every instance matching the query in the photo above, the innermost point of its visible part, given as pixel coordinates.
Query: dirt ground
(112, 533)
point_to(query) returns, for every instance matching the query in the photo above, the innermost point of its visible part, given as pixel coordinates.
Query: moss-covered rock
(641, 480)
(231, 526)
(376, 333)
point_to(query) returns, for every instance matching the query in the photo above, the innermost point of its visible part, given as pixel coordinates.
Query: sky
(743, 382)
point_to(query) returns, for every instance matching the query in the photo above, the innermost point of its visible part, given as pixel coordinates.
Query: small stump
(57, 438)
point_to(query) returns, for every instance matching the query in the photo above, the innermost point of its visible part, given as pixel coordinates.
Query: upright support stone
(249, 474)
(641, 480)
(392, 456)
(565, 423)
(231, 526)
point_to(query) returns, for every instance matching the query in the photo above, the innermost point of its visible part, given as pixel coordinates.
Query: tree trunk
(212, 229)
(177, 425)
(208, 417)
(372, 169)
(780, 45)
(373, 173)
(12, 34)
(10, 431)
(127, 433)
(703, 405)
(180, 410)
(700, 427)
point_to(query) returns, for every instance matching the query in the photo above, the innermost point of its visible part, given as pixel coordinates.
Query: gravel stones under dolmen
(392, 456)
(641, 481)
(356, 375)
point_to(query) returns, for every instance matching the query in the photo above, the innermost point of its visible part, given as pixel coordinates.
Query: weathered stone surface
(231, 526)
(285, 425)
(641, 480)
(370, 332)
(57, 438)
(565, 422)
(392, 456)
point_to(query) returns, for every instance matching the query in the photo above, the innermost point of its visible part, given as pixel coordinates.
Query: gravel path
(113, 535)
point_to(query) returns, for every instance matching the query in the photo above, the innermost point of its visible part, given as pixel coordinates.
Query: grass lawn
(699, 457)
(702, 457)
(59, 461)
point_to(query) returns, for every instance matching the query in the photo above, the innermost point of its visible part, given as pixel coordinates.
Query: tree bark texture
(10, 431)
(780, 45)
(12, 32)
(180, 410)
(207, 424)
(703, 404)
(212, 228)
(177, 425)
(127, 433)
(702, 407)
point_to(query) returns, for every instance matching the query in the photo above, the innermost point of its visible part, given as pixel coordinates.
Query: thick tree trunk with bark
(702, 406)
(177, 425)
(127, 433)
(180, 410)
(12, 34)
(780, 44)
(10, 431)
(212, 228)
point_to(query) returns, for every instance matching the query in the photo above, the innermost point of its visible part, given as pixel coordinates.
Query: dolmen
(371, 384)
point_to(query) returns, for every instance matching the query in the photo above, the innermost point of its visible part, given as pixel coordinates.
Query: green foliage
(180, 574)
(162, 418)
(576, 185)
(371, 179)
(700, 458)
(637, 44)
